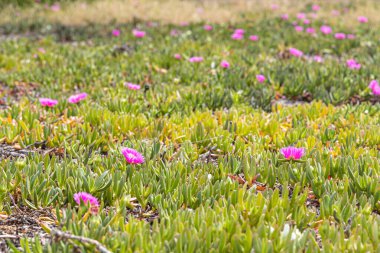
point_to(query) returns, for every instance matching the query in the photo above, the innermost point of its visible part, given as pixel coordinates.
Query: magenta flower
(363, 19)
(254, 37)
(315, 7)
(351, 36)
(177, 56)
(318, 58)
(239, 31)
(48, 102)
(77, 98)
(340, 36)
(132, 156)
(301, 15)
(260, 78)
(225, 64)
(306, 21)
(292, 153)
(295, 52)
(207, 27)
(310, 30)
(174, 33)
(132, 86)
(237, 36)
(298, 28)
(116, 32)
(326, 29)
(275, 6)
(352, 64)
(55, 7)
(375, 87)
(284, 16)
(87, 199)
(196, 59)
(138, 33)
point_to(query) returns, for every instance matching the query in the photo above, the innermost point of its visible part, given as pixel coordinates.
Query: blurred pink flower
(225, 64)
(295, 52)
(301, 15)
(55, 7)
(177, 56)
(316, 7)
(196, 59)
(326, 29)
(239, 31)
(174, 32)
(318, 58)
(254, 37)
(335, 12)
(132, 86)
(87, 199)
(48, 102)
(340, 36)
(298, 28)
(306, 21)
(310, 30)
(284, 16)
(132, 156)
(41, 50)
(351, 36)
(260, 78)
(375, 87)
(116, 32)
(274, 6)
(313, 15)
(207, 27)
(77, 98)
(363, 19)
(184, 23)
(237, 36)
(352, 64)
(292, 153)
(138, 33)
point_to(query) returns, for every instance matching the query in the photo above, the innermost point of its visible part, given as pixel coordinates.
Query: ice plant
(340, 36)
(375, 87)
(48, 102)
(352, 64)
(207, 27)
(295, 52)
(132, 156)
(292, 153)
(87, 199)
(77, 98)
(363, 19)
(326, 29)
(132, 86)
(138, 33)
(254, 37)
(225, 64)
(260, 78)
(196, 59)
(116, 32)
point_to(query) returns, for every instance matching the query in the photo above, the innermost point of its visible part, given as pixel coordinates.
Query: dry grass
(176, 11)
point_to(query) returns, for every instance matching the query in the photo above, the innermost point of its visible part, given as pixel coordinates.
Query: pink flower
(310, 30)
(301, 15)
(239, 31)
(41, 50)
(225, 64)
(284, 16)
(260, 78)
(295, 52)
(132, 156)
(174, 33)
(275, 6)
(292, 153)
(87, 198)
(306, 21)
(77, 98)
(184, 24)
(316, 7)
(55, 7)
(340, 36)
(318, 58)
(351, 36)
(177, 56)
(335, 12)
(207, 27)
(138, 33)
(116, 33)
(326, 29)
(363, 19)
(375, 87)
(132, 86)
(254, 37)
(237, 36)
(48, 102)
(352, 64)
(196, 59)
(298, 28)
